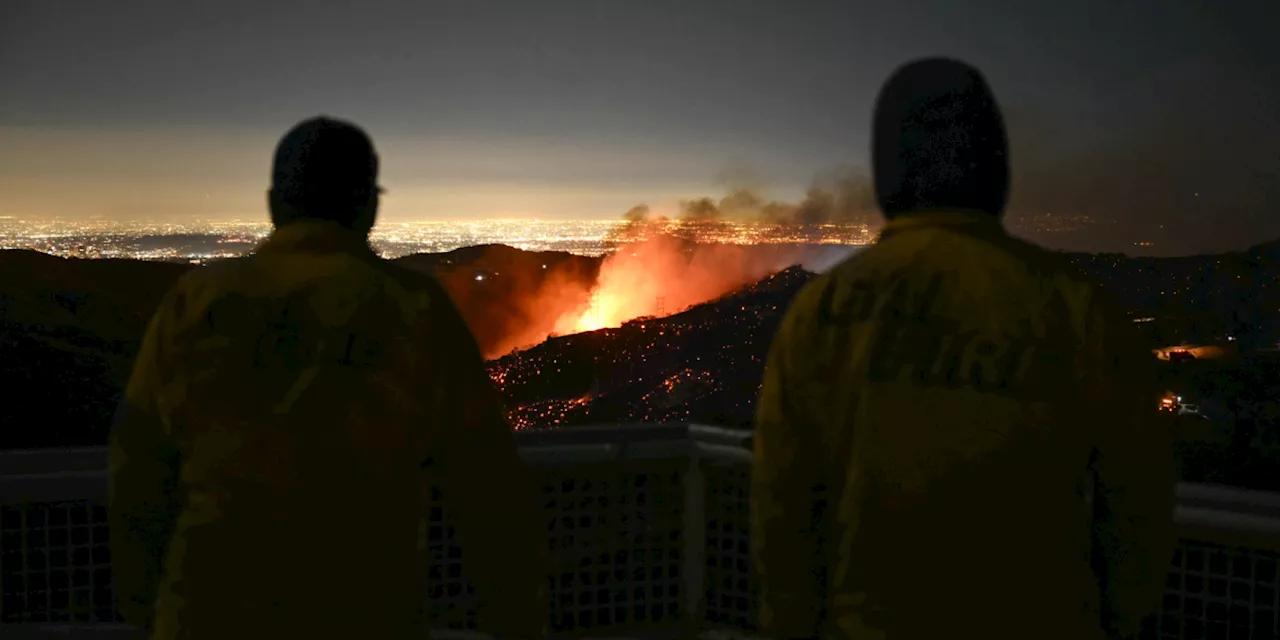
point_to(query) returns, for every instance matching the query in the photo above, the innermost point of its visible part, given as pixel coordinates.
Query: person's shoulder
(206, 281)
(190, 296)
(410, 280)
(223, 278)
(812, 304)
(807, 300)
(220, 273)
(421, 291)
(1036, 258)
(1053, 266)
(857, 266)
(1072, 279)
(872, 263)
(1094, 308)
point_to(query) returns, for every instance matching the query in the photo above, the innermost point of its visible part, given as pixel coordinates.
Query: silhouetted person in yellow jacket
(268, 460)
(957, 437)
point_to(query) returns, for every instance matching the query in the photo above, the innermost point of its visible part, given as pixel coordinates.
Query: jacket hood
(939, 141)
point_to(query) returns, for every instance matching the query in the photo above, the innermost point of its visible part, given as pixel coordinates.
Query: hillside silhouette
(69, 329)
(1198, 298)
(703, 364)
(512, 299)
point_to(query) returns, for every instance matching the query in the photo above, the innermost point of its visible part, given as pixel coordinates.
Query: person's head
(325, 169)
(939, 141)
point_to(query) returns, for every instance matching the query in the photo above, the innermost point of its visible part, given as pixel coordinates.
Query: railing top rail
(1224, 495)
(603, 433)
(721, 435)
(82, 469)
(37, 462)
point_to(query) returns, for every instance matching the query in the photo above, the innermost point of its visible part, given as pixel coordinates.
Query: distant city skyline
(197, 240)
(1160, 116)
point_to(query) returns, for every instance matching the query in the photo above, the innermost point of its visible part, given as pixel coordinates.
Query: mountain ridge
(69, 328)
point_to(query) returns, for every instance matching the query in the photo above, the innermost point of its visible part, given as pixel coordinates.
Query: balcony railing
(648, 535)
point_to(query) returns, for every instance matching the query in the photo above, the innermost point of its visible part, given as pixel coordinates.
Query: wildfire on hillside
(658, 274)
(664, 275)
(663, 266)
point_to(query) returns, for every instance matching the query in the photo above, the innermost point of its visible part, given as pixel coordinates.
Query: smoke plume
(659, 270)
(842, 196)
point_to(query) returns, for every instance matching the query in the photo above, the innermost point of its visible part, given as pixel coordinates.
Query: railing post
(693, 573)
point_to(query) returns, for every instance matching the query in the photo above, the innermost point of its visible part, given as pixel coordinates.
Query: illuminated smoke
(654, 272)
(637, 214)
(842, 196)
(660, 276)
(661, 269)
(665, 274)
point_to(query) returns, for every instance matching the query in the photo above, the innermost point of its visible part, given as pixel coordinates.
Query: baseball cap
(324, 161)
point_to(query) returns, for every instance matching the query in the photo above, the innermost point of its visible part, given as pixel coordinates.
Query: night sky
(557, 109)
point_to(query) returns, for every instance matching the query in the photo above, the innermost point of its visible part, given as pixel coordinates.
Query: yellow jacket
(267, 464)
(958, 438)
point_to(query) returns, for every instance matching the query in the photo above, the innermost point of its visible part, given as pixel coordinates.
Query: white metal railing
(649, 532)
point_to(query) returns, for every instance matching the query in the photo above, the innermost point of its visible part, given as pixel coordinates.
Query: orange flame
(660, 276)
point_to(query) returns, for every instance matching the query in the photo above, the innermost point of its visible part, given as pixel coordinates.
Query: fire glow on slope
(662, 275)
